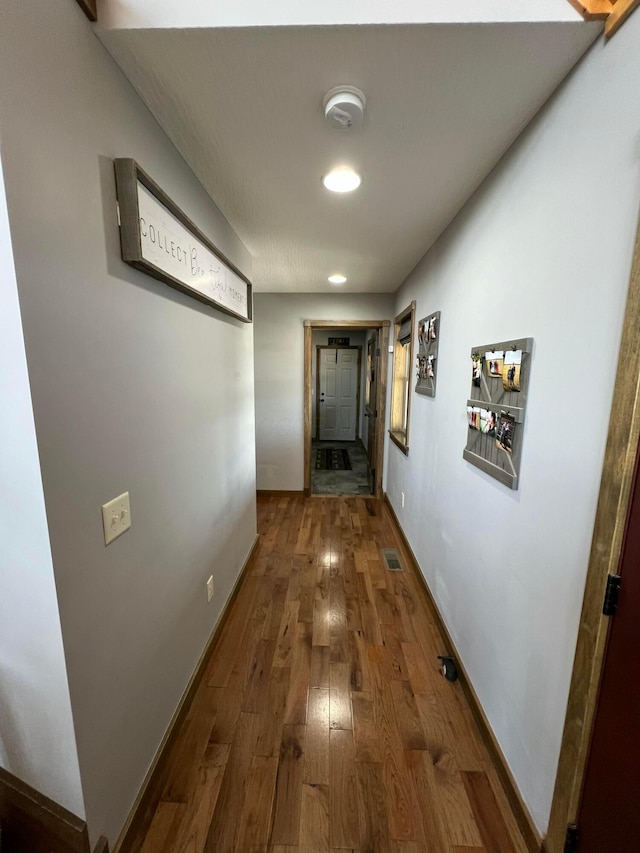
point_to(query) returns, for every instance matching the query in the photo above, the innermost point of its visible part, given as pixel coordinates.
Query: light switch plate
(116, 517)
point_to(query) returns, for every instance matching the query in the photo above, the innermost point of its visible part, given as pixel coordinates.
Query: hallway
(322, 722)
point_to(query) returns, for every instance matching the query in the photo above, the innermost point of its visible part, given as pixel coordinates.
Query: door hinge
(571, 839)
(611, 595)
(378, 352)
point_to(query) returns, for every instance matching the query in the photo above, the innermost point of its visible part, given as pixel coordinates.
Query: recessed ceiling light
(342, 180)
(337, 279)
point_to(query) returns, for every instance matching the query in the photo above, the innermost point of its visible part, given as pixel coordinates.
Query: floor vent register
(392, 560)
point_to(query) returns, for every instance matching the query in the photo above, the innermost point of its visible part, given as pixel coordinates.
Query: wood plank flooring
(322, 723)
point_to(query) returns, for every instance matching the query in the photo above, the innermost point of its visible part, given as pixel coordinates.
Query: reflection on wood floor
(322, 722)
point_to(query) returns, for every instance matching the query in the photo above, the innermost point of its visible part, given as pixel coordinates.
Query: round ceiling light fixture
(342, 180)
(337, 278)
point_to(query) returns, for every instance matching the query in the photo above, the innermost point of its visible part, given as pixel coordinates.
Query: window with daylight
(401, 379)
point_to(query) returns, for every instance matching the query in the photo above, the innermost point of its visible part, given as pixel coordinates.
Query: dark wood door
(370, 408)
(609, 819)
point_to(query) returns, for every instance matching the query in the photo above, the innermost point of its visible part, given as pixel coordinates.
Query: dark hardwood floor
(323, 723)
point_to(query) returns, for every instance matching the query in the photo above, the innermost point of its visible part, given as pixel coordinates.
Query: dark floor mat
(332, 459)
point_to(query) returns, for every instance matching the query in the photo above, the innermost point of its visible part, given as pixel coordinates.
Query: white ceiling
(244, 107)
(180, 14)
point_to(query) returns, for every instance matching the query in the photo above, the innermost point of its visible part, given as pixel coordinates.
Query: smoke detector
(344, 107)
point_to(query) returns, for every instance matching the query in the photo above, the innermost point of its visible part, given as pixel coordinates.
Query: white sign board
(159, 239)
(168, 245)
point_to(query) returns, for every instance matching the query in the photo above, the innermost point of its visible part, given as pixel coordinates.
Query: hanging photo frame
(499, 376)
(427, 356)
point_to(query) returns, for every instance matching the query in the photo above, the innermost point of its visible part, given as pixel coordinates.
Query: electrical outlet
(116, 517)
(402, 499)
(210, 589)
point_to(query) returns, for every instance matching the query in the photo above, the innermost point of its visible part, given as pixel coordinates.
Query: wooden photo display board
(496, 408)
(159, 239)
(427, 357)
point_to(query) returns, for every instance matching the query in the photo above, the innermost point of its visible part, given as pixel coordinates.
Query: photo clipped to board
(493, 361)
(483, 420)
(506, 429)
(511, 370)
(476, 369)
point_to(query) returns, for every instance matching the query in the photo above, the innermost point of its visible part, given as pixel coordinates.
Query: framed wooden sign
(159, 239)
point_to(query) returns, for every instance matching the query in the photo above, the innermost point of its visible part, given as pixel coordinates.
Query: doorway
(339, 457)
(609, 818)
(344, 401)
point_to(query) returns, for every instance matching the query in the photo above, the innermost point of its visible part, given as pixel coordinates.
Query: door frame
(606, 549)
(381, 403)
(359, 371)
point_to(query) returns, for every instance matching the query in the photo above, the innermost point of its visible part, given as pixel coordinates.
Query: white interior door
(338, 394)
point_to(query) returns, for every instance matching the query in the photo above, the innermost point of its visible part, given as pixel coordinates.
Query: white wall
(543, 250)
(279, 373)
(135, 387)
(37, 743)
